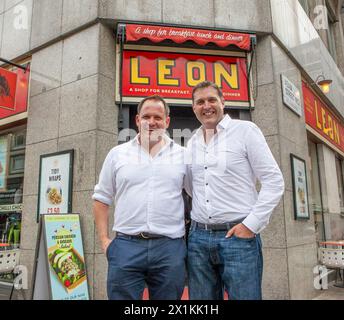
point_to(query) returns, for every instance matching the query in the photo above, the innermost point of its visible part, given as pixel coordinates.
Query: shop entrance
(183, 121)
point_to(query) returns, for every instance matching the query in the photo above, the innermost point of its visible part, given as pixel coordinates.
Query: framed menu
(55, 183)
(300, 189)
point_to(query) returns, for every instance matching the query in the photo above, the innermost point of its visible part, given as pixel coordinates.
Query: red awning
(135, 32)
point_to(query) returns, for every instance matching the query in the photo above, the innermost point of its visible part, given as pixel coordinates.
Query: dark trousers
(159, 263)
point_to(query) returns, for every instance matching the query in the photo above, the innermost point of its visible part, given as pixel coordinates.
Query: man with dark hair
(145, 178)
(224, 246)
(156, 98)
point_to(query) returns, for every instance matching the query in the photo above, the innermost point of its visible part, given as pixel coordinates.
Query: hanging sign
(13, 92)
(320, 118)
(60, 272)
(55, 183)
(8, 87)
(173, 76)
(135, 32)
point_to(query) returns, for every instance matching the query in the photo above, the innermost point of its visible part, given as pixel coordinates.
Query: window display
(12, 151)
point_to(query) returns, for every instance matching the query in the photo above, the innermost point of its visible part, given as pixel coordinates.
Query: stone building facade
(71, 47)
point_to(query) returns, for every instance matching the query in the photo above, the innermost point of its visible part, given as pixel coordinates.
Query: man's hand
(101, 217)
(105, 244)
(240, 231)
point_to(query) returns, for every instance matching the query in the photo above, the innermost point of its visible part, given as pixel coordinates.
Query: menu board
(55, 183)
(63, 258)
(300, 191)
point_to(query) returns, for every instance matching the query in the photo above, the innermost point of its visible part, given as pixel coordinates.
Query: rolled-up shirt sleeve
(105, 190)
(266, 170)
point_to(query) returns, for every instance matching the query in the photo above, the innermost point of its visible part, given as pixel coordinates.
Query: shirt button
(205, 168)
(207, 200)
(210, 217)
(207, 184)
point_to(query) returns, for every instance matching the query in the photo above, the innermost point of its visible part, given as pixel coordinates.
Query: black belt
(141, 235)
(216, 226)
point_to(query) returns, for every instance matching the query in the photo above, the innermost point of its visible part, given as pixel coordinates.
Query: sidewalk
(332, 293)
(5, 290)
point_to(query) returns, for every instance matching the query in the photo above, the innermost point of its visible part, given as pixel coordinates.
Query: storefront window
(315, 199)
(339, 169)
(12, 159)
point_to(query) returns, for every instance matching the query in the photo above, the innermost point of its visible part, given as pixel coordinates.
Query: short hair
(206, 84)
(154, 97)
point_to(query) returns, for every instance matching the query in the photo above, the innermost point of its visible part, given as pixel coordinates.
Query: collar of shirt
(221, 126)
(168, 142)
(167, 139)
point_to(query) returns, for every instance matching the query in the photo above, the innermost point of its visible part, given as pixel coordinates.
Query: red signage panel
(321, 119)
(173, 75)
(8, 85)
(14, 92)
(135, 32)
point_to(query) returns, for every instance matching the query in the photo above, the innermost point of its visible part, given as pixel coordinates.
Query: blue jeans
(160, 263)
(216, 264)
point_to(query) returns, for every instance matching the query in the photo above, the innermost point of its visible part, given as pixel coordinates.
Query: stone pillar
(265, 115)
(292, 245)
(72, 106)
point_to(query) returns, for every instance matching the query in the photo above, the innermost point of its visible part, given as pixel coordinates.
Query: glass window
(315, 194)
(339, 169)
(12, 160)
(330, 37)
(304, 4)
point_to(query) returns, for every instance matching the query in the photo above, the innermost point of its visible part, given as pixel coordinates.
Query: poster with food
(300, 188)
(67, 267)
(55, 183)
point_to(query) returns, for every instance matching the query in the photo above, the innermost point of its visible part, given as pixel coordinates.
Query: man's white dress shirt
(224, 174)
(147, 191)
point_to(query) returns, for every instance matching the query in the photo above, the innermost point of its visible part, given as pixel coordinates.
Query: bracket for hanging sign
(15, 64)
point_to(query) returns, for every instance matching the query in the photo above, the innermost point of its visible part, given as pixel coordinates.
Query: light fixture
(323, 83)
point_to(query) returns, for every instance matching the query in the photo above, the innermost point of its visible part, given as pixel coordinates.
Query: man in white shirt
(224, 246)
(144, 178)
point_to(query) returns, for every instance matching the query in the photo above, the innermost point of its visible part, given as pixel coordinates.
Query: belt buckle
(143, 236)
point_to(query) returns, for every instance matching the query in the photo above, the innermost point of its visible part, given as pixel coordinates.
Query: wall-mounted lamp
(323, 83)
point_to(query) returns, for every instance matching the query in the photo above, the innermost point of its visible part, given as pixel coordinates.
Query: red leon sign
(8, 85)
(13, 92)
(173, 75)
(135, 32)
(321, 119)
